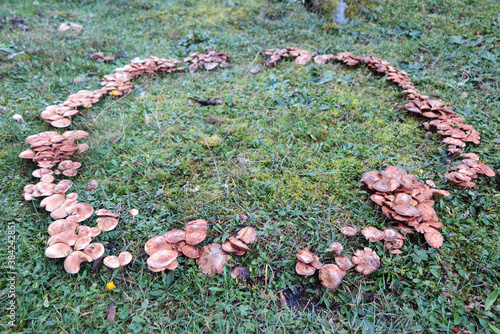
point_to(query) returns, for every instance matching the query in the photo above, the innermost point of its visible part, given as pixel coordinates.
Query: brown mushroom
(304, 269)
(191, 251)
(372, 234)
(331, 276)
(238, 244)
(366, 261)
(348, 231)
(337, 247)
(81, 211)
(240, 272)
(247, 234)
(74, 260)
(344, 262)
(196, 225)
(174, 236)
(156, 244)
(433, 237)
(305, 256)
(212, 259)
(52, 202)
(94, 250)
(67, 237)
(82, 242)
(61, 225)
(228, 247)
(162, 258)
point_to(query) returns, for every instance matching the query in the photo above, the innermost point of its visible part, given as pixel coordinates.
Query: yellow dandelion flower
(110, 285)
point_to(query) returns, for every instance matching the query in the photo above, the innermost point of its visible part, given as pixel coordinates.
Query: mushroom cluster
(163, 250)
(330, 275)
(101, 57)
(113, 261)
(443, 119)
(273, 56)
(239, 244)
(469, 170)
(59, 115)
(49, 148)
(407, 201)
(210, 60)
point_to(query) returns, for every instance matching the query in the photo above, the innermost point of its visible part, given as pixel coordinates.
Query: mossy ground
(295, 141)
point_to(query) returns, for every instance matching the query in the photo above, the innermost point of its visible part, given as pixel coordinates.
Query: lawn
(295, 142)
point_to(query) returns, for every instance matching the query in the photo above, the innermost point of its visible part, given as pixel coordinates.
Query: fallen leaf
(111, 312)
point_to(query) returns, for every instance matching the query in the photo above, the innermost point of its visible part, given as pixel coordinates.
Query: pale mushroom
(305, 256)
(162, 258)
(304, 269)
(348, 231)
(337, 247)
(366, 261)
(74, 260)
(58, 250)
(111, 261)
(372, 234)
(174, 236)
(331, 276)
(106, 223)
(156, 244)
(212, 259)
(94, 250)
(124, 258)
(247, 234)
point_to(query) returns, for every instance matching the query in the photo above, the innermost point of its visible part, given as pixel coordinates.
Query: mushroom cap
(95, 231)
(372, 234)
(107, 223)
(433, 237)
(174, 236)
(133, 212)
(156, 244)
(348, 231)
(58, 250)
(238, 244)
(173, 265)
(81, 211)
(155, 270)
(111, 261)
(305, 256)
(337, 247)
(67, 237)
(94, 250)
(74, 260)
(196, 225)
(240, 272)
(178, 247)
(344, 262)
(407, 210)
(304, 269)
(82, 242)
(162, 258)
(52, 202)
(331, 276)
(105, 213)
(61, 225)
(191, 251)
(195, 237)
(63, 186)
(247, 234)
(391, 234)
(125, 258)
(228, 247)
(212, 259)
(316, 263)
(366, 261)
(84, 231)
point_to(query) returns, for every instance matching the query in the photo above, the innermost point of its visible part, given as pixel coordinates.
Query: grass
(295, 142)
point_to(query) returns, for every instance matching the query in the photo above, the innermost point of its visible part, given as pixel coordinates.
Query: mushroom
(162, 258)
(348, 231)
(195, 237)
(196, 225)
(111, 261)
(174, 236)
(156, 244)
(247, 234)
(81, 211)
(124, 258)
(82, 242)
(95, 250)
(304, 269)
(190, 251)
(344, 262)
(74, 260)
(58, 250)
(212, 259)
(238, 244)
(133, 212)
(366, 261)
(331, 276)
(433, 237)
(107, 223)
(372, 234)
(337, 247)
(61, 225)
(240, 272)
(67, 237)
(305, 256)
(52, 202)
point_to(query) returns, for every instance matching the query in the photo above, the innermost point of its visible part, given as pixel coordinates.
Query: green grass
(296, 141)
